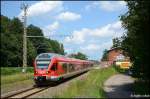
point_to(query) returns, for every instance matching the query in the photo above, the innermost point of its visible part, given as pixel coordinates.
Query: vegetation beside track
(89, 86)
(15, 78)
(14, 74)
(14, 70)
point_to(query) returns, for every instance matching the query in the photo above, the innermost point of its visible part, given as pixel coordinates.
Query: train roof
(59, 57)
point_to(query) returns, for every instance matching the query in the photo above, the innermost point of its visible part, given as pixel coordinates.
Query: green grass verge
(15, 78)
(89, 86)
(14, 70)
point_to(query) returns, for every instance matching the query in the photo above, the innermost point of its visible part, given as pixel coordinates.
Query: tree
(105, 55)
(79, 55)
(37, 42)
(12, 43)
(116, 42)
(136, 42)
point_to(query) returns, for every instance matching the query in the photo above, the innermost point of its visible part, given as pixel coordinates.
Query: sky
(82, 26)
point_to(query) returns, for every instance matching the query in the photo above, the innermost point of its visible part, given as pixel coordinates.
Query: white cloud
(68, 16)
(43, 7)
(50, 29)
(91, 47)
(94, 50)
(92, 5)
(107, 5)
(109, 30)
(93, 41)
(112, 5)
(78, 37)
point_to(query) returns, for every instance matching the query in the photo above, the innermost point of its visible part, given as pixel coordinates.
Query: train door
(54, 69)
(60, 68)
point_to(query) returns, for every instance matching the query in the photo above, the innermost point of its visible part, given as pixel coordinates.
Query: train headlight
(35, 77)
(47, 72)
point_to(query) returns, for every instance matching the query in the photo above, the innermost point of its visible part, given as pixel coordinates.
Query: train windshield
(43, 61)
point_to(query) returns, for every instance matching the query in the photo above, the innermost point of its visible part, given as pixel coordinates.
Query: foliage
(105, 55)
(79, 55)
(139, 85)
(14, 70)
(136, 41)
(116, 42)
(12, 41)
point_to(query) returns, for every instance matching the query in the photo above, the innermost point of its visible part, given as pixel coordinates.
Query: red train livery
(51, 67)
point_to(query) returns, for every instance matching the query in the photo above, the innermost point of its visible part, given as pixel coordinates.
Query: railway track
(24, 93)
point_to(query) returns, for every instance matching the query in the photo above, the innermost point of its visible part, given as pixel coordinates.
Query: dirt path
(119, 86)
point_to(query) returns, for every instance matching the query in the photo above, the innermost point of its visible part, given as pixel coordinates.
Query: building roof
(114, 49)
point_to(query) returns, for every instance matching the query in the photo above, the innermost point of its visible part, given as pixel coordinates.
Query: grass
(89, 86)
(14, 70)
(5, 88)
(15, 78)
(14, 74)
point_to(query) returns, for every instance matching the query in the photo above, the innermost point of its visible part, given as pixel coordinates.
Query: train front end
(41, 68)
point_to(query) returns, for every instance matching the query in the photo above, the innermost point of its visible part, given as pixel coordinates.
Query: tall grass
(89, 86)
(14, 74)
(15, 78)
(14, 70)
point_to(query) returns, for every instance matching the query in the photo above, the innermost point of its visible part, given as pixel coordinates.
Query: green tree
(79, 55)
(116, 42)
(12, 42)
(105, 55)
(136, 41)
(36, 41)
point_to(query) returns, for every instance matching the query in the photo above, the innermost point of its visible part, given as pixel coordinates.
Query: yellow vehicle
(124, 64)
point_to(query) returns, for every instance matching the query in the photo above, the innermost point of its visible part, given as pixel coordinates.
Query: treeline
(136, 40)
(11, 51)
(78, 55)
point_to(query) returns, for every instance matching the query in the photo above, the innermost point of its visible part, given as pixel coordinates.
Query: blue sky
(85, 26)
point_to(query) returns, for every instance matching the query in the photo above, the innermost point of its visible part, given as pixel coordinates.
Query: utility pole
(24, 7)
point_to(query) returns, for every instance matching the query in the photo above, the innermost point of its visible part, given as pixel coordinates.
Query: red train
(50, 67)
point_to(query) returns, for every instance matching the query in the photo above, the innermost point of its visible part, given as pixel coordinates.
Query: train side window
(54, 67)
(71, 67)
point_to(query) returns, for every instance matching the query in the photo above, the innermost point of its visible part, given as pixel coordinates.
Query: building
(117, 56)
(114, 53)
